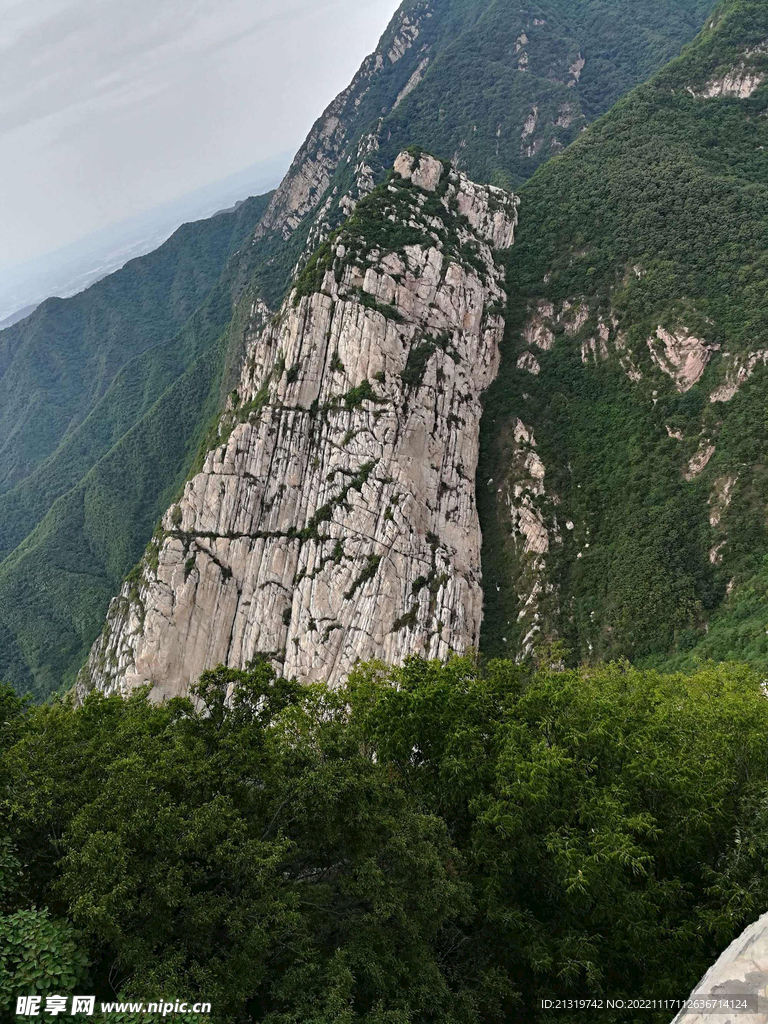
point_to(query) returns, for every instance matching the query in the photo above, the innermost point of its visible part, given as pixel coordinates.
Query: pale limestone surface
(310, 174)
(413, 81)
(738, 373)
(742, 970)
(530, 124)
(522, 489)
(576, 69)
(538, 334)
(530, 363)
(699, 462)
(721, 498)
(683, 357)
(740, 83)
(330, 524)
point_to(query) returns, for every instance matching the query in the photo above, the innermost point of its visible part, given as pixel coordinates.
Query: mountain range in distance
(386, 557)
(77, 266)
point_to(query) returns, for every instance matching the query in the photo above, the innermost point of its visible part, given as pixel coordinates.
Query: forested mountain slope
(201, 594)
(57, 364)
(623, 483)
(74, 520)
(496, 87)
(499, 87)
(523, 81)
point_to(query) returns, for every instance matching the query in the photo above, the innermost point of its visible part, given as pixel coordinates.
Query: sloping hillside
(99, 443)
(625, 443)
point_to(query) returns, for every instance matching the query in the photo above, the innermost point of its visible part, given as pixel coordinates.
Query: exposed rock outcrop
(536, 332)
(738, 373)
(740, 83)
(699, 462)
(522, 491)
(412, 82)
(529, 363)
(741, 974)
(310, 174)
(721, 498)
(574, 317)
(684, 358)
(575, 71)
(336, 517)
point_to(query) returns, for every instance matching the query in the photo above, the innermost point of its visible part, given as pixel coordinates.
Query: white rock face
(413, 82)
(530, 124)
(738, 373)
(536, 332)
(336, 520)
(575, 70)
(741, 972)
(424, 171)
(530, 363)
(700, 460)
(521, 491)
(577, 320)
(683, 358)
(740, 83)
(721, 498)
(407, 34)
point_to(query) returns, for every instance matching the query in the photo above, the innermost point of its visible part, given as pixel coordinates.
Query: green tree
(437, 842)
(245, 851)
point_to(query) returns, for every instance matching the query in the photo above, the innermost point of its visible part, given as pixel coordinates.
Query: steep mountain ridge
(633, 376)
(92, 520)
(335, 519)
(495, 87)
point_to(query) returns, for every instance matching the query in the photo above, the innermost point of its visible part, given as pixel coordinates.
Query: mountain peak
(335, 518)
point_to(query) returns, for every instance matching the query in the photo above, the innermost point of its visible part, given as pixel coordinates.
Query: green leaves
(38, 956)
(592, 808)
(432, 843)
(250, 853)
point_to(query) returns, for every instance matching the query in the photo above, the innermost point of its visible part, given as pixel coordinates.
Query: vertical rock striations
(336, 517)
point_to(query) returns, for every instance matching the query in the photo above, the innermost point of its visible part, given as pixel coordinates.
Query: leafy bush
(436, 843)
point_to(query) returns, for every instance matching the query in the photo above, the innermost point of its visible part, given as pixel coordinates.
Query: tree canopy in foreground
(436, 843)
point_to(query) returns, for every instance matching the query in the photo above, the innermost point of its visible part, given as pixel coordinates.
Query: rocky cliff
(335, 519)
(378, 87)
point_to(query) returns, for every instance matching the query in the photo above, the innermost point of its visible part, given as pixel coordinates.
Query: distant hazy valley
(77, 266)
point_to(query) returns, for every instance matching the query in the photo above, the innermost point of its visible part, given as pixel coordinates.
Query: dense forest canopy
(657, 216)
(436, 843)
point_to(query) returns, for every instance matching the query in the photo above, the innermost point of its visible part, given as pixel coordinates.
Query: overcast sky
(111, 107)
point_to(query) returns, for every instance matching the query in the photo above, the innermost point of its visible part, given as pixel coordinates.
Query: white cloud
(107, 109)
